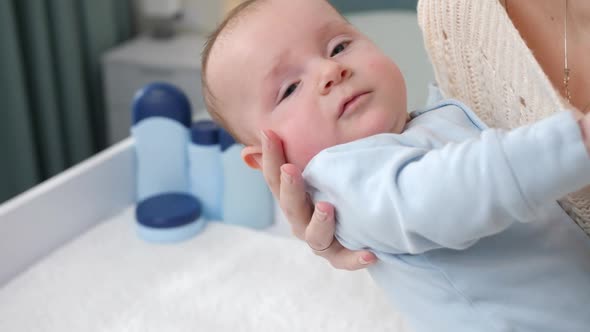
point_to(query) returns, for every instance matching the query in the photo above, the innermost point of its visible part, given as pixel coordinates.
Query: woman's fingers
(317, 228)
(319, 234)
(272, 158)
(320, 237)
(293, 200)
(287, 188)
(344, 259)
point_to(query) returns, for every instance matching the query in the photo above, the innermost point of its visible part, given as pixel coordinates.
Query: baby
(463, 218)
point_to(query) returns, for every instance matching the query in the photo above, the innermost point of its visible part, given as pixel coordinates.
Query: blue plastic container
(161, 118)
(247, 201)
(205, 169)
(169, 217)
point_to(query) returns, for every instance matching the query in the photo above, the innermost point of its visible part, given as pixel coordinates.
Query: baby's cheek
(300, 149)
(375, 65)
(299, 152)
(381, 64)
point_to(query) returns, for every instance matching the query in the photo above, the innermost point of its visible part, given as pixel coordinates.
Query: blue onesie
(464, 220)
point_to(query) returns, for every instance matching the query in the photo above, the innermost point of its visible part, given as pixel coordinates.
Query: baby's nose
(334, 74)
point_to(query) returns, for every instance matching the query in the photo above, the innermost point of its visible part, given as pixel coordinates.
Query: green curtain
(347, 6)
(52, 112)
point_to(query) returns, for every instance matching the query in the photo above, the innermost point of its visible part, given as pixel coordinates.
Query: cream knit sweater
(479, 58)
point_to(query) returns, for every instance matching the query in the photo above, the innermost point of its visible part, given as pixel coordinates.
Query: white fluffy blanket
(225, 279)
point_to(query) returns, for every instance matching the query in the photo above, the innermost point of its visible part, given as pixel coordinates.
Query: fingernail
(286, 176)
(264, 138)
(366, 259)
(322, 215)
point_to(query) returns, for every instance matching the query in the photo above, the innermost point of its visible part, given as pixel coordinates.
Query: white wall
(202, 15)
(199, 15)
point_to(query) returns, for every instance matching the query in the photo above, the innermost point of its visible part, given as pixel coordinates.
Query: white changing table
(71, 261)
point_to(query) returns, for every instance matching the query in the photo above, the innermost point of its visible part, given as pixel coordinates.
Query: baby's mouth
(352, 103)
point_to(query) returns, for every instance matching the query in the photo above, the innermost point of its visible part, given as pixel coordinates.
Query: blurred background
(69, 68)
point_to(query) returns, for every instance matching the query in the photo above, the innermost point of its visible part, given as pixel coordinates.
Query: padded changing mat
(225, 279)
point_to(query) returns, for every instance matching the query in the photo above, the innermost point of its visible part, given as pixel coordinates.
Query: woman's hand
(316, 225)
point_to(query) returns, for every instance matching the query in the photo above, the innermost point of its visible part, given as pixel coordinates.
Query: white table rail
(50, 214)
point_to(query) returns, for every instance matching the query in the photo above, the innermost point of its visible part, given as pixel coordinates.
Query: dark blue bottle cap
(168, 210)
(205, 132)
(225, 139)
(163, 100)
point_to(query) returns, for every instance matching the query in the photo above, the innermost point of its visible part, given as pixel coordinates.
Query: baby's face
(299, 69)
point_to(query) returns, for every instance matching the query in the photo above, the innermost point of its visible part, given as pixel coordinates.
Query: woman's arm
(314, 225)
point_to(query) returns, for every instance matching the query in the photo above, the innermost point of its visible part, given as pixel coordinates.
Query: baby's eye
(290, 89)
(339, 48)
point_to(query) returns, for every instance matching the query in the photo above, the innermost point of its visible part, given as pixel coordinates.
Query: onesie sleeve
(402, 199)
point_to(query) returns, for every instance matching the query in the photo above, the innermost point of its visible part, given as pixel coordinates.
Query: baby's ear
(252, 156)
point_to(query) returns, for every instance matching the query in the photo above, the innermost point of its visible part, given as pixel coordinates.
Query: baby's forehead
(293, 14)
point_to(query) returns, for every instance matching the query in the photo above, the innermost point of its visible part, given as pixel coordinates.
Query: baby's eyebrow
(277, 63)
(329, 26)
(276, 68)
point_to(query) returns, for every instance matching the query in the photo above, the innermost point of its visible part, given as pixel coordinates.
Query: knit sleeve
(478, 57)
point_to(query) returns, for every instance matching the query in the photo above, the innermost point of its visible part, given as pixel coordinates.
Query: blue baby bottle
(161, 118)
(205, 170)
(247, 201)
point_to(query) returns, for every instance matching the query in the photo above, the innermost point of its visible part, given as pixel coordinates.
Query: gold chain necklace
(566, 69)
